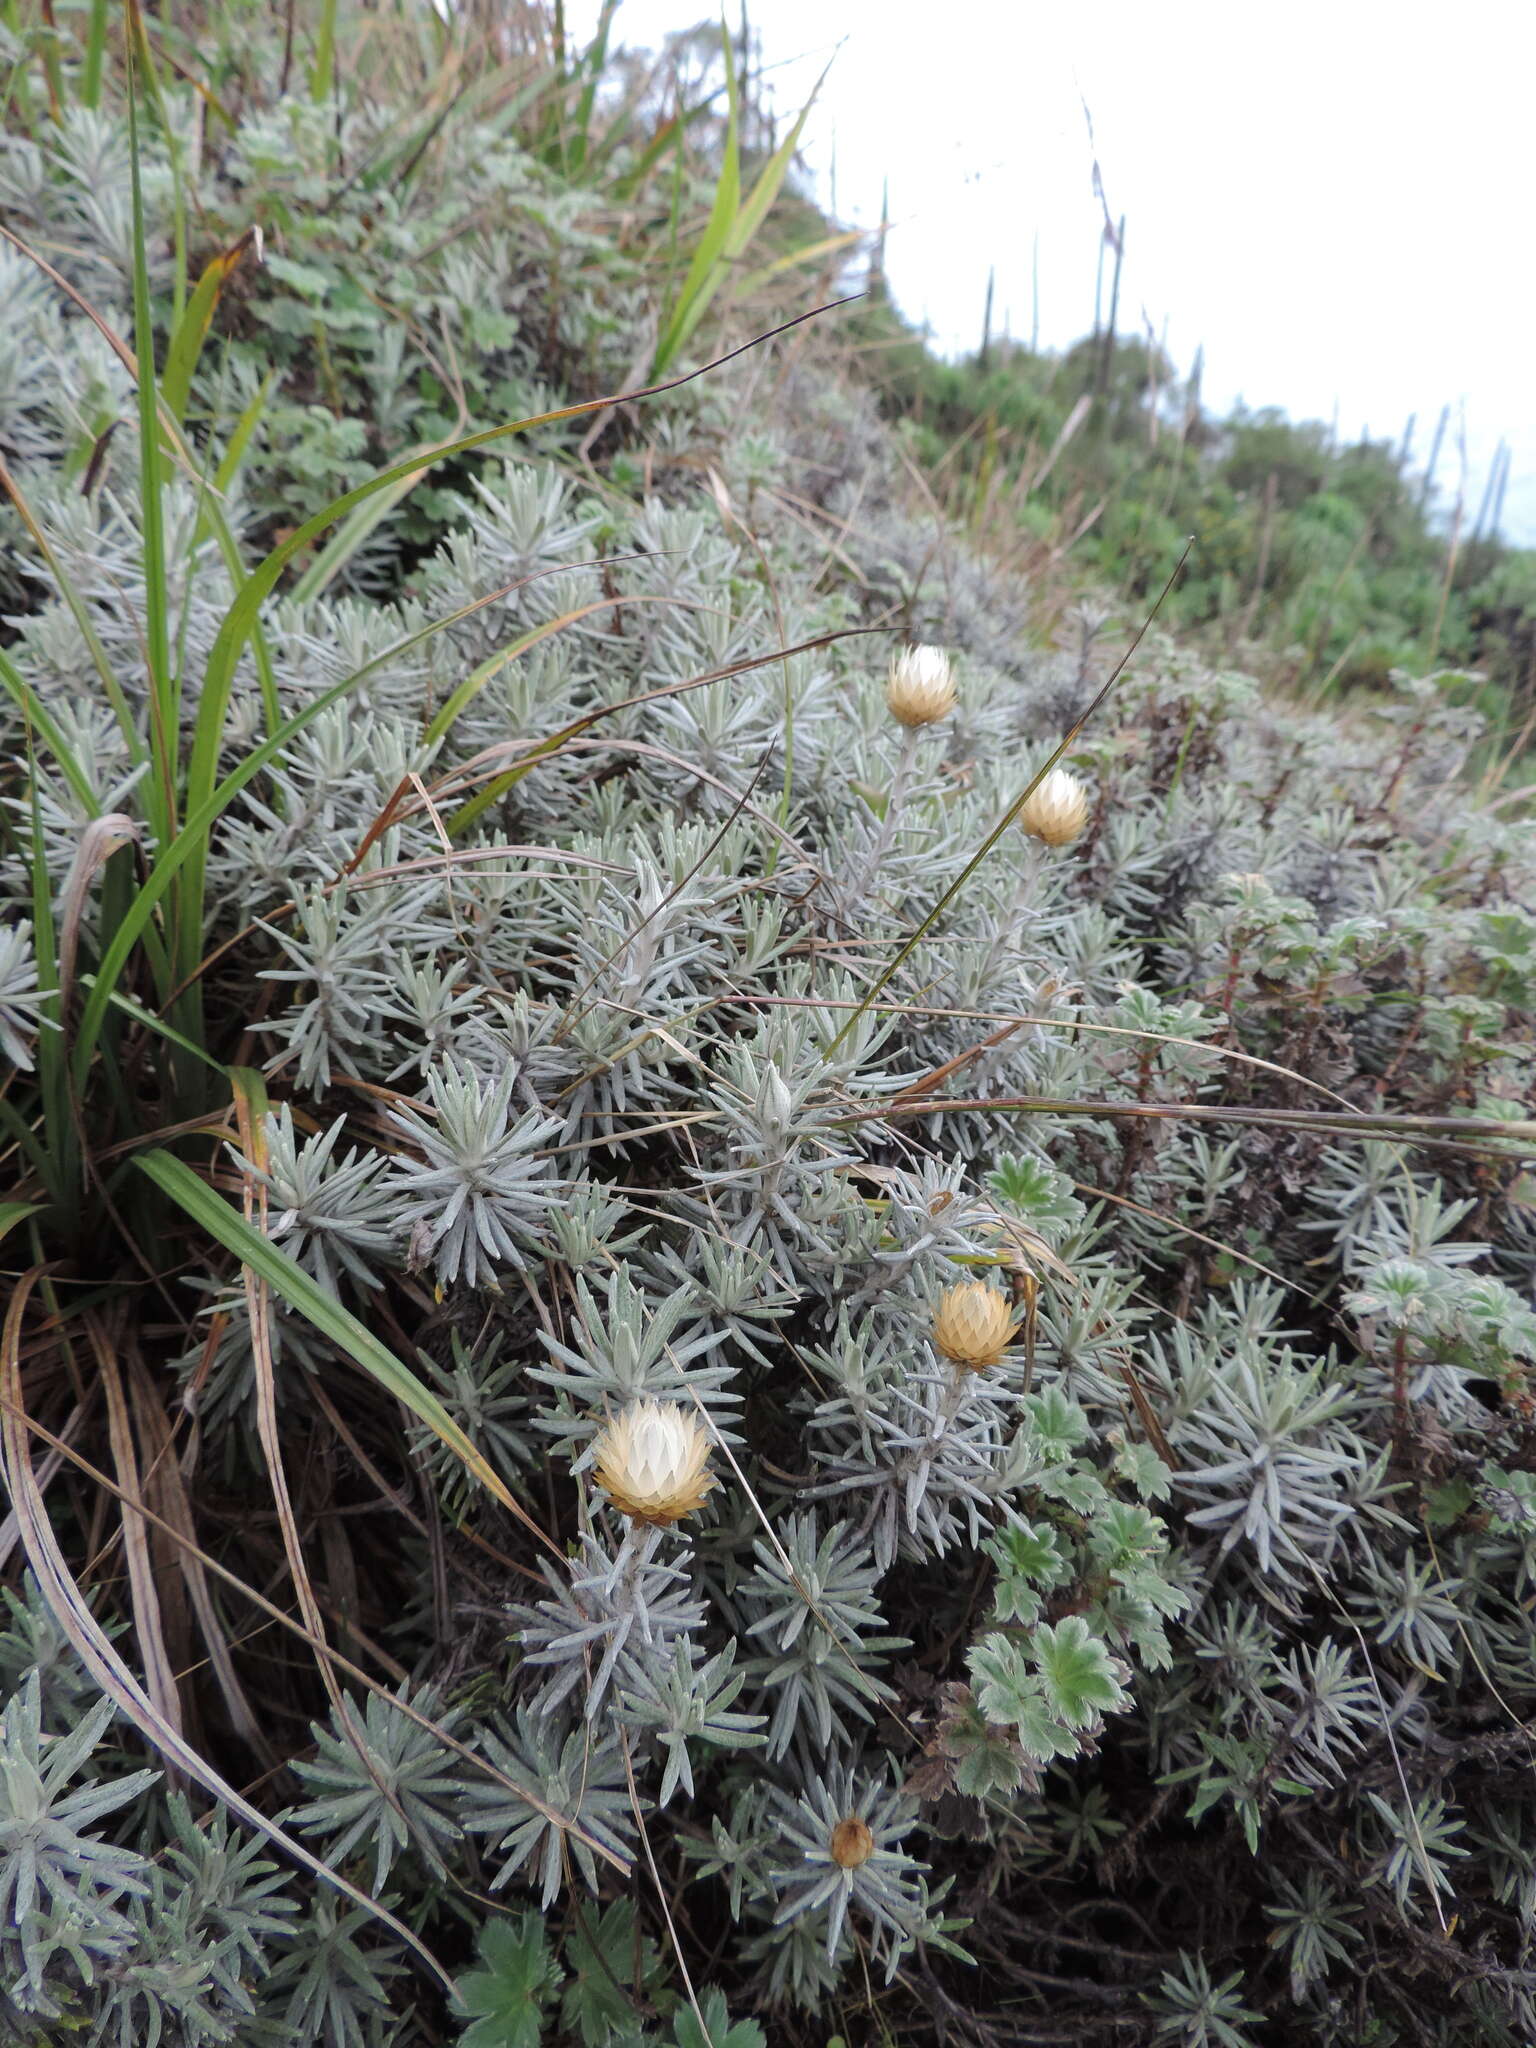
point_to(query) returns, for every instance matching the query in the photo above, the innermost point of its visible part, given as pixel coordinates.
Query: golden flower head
(1057, 811)
(920, 688)
(974, 1325)
(851, 1843)
(653, 1462)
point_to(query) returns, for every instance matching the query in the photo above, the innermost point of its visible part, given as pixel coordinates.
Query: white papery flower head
(974, 1325)
(653, 1462)
(920, 688)
(1057, 811)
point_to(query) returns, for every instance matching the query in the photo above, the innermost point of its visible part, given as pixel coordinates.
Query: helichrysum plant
(715, 1407)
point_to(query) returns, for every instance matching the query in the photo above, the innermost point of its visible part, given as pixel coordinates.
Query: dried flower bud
(653, 1462)
(1057, 811)
(921, 686)
(851, 1843)
(974, 1325)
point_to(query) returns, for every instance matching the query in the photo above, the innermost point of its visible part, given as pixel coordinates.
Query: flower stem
(893, 802)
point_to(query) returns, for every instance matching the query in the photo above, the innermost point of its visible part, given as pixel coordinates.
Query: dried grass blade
(248, 1115)
(250, 1110)
(57, 1445)
(165, 1486)
(10, 1528)
(660, 1889)
(1447, 1131)
(96, 1652)
(542, 749)
(148, 1623)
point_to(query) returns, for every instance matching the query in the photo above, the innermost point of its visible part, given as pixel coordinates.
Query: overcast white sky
(1336, 200)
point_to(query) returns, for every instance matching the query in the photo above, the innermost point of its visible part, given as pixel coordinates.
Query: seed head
(653, 1462)
(852, 1843)
(920, 688)
(974, 1325)
(1057, 811)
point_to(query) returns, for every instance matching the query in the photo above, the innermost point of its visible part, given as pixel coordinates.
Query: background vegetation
(480, 953)
(1321, 566)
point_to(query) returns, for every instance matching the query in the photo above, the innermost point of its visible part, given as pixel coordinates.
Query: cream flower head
(920, 688)
(974, 1325)
(653, 1462)
(1057, 811)
(851, 1843)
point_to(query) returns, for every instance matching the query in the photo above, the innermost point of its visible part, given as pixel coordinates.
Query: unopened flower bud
(920, 688)
(1057, 811)
(974, 1325)
(653, 1462)
(852, 1843)
(774, 1098)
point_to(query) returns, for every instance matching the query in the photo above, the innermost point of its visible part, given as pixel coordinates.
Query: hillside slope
(767, 1377)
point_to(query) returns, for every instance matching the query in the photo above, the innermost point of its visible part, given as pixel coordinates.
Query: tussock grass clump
(636, 1388)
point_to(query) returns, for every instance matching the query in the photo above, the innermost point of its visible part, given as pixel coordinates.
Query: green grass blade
(321, 1310)
(15, 1128)
(594, 64)
(348, 538)
(755, 208)
(164, 708)
(95, 52)
(130, 1007)
(701, 281)
(186, 344)
(483, 799)
(80, 613)
(36, 713)
(322, 76)
(211, 519)
(478, 677)
(143, 67)
(717, 253)
(191, 843)
(12, 1213)
(62, 1143)
(234, 452)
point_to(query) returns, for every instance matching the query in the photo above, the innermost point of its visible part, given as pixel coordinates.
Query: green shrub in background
(1325, 565)
(516, 1535)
